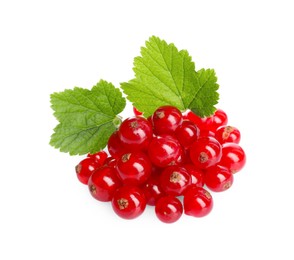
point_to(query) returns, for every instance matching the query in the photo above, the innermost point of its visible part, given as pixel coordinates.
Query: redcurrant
(166, 119)
(233, 158)
(128, 202)
(168, 209)
(196, 174)
(100, 157)
(205, 152)
(134, 168)
(174, 180)
(115, 146)
(187, 133)
(103, 183)
(218, 178)
(228, 134)
(135, 133)
(197, 202)
(85, 169)
(137, 112)
(164, 151)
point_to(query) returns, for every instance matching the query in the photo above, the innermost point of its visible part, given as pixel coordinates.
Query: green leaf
(166, 76)
(86, 117)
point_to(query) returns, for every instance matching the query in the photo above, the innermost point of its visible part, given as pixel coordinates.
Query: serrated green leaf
(166, 76)
(86, 117)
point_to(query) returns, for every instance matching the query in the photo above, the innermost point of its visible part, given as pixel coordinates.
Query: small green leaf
(86, 117)
(166, 76)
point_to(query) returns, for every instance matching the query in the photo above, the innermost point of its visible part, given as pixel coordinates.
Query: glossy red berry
(110, 161)
(137, 112)
(187, 133)
(174, 180)
(168, 209)
(219, 118)
(134, 168)
(166, 119)
(228, 134)
(164, 151)
(218, 178)
(152, 189)
(233, 157)
(99, 157)
(197, 202)
(115, 146)
(197, 120)
(103, 183)
(135, 133)
(196, 174)
(85, 169)
(205, 152)
(128, 202)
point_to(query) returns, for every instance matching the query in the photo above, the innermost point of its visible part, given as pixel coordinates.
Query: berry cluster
(165, 161)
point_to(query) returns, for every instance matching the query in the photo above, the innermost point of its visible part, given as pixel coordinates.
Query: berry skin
(168, 209)
(174, 180)
(164, 151)
(152, 189)
(99, 157)
(219, 118)
(233, 158)
(166, 119)
(128, 202)
(196, 174)
(187, 133)
(135, 133)
(137, 112)
(134, 168)
(115, 146)
(205, 152)
(197, 202)
(103, 183)
(228, 134)
(218, 178)
(85, 169)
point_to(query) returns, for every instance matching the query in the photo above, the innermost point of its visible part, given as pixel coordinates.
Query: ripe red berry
(166, 119)
(164, 151)
(128, 202)
(228, 134)
(197, 120)
(115, 146)
(152, 189)
(135, 133)
(103, 183)
(219, 118)
(196, 174)
(134, 168)
(99, 157)
(205, 152)
(233, 157)
(218, 178)
(85, 168)
(168, 209)
(174, 180)
(197, 202)
(187, 133)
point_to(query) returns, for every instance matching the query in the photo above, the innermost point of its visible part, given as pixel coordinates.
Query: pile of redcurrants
(165, 161)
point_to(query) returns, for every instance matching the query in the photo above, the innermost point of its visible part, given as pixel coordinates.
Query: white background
(47, 46)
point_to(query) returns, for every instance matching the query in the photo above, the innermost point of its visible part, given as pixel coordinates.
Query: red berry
(187, 133)
(110, 161)
(228, 134)
(164, 151)
(219, 118)
(197, 120)
(168, 209)
(152, 189)
(166, 119)
(100, 157)
(218, 178)
(115, 146)
(103, 183)
(137, 112)
(205, 152)
(197, 202)
(85, 169)
(134, 168)
(196, 174)
(135, 133)
(128, 202)
(174, 180)
(233, 158)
